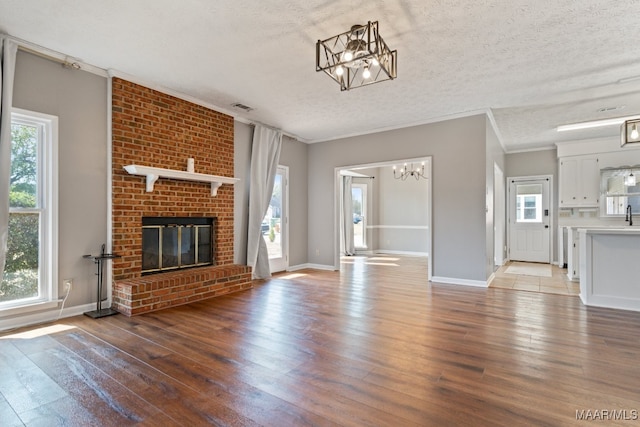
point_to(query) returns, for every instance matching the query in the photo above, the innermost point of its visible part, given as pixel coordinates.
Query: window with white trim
(29, 280)
(529, 208)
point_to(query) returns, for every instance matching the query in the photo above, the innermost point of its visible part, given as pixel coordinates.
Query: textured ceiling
(535, 64)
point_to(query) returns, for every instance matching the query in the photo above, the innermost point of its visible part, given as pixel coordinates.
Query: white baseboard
(407, 253)
(617, 303)
(312, 266)
(556, 262)
(464, 282)
(47, 316)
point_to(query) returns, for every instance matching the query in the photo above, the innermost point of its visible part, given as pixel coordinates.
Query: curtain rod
(284, 133)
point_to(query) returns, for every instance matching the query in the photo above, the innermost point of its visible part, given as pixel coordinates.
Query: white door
(529, 220)
(275, 225)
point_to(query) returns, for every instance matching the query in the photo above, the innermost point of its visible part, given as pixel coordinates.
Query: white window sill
(16, 310)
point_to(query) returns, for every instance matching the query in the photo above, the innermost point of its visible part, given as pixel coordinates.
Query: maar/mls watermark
(606, 414)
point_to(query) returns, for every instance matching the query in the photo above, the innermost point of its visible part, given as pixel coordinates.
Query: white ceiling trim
(529, 150)
(405, 125)
(176, 94)
(53, 55)
(194, 100)
(492, 120)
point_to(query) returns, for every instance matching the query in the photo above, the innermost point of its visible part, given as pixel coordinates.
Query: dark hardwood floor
(375, 345)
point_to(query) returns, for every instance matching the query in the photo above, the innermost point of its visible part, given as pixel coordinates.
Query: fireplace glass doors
(170, 243)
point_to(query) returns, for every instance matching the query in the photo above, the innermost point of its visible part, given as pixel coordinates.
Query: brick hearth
(154, 129)
(158, 291)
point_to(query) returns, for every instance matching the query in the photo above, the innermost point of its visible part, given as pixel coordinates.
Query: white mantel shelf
(153, 174)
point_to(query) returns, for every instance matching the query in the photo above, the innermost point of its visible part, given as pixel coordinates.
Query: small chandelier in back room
(406, 172)
(357, 57)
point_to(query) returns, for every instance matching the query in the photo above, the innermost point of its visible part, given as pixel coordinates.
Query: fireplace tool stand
(99, 260)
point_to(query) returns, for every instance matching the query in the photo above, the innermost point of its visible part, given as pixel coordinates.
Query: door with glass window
(275, 222)
(529, 228)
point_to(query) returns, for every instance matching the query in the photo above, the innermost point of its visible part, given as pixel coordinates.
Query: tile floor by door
(558, 283)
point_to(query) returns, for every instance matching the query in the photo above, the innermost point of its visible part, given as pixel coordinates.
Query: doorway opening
(387, 215)
(275, 224)
(359, 206)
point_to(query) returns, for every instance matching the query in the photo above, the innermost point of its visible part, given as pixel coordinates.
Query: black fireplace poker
(99, 260)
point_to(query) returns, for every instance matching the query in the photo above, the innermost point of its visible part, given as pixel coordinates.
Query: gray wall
(293, 155)
(79, 99)
(243, 135)
(403, 203)
(458, 189)
(531, 163)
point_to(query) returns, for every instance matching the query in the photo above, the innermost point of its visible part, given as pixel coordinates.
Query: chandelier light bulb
(375, 62)
(339, 71)
(634, 132)
(348, 56)
(366, 74)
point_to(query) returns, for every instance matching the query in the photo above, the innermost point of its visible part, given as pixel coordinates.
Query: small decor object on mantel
(99, 260)
(190, 165)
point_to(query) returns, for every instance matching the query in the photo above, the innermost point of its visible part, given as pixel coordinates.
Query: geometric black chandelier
(358, 57)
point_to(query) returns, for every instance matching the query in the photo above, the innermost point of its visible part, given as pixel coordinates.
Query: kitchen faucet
(629, 217)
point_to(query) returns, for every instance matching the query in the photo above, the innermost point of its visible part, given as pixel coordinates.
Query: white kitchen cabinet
(579, 182)
(609, 267)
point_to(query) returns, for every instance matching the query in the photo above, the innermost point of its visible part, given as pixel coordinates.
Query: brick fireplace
(154, 129)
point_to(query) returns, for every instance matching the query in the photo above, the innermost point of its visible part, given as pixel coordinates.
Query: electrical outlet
(317, 252)
(67, 284)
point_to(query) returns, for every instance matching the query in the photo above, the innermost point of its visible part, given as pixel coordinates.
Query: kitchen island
(610, 267)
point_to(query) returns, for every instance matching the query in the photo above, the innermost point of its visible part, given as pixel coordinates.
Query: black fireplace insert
(170, 243)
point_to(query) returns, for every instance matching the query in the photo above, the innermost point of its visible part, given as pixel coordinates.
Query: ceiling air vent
(607, 109)
(242, 107)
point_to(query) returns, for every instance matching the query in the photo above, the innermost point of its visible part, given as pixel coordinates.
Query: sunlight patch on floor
(367, 261)
(292, 276)
(383, 259)
(390, 264)
(39, 332)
